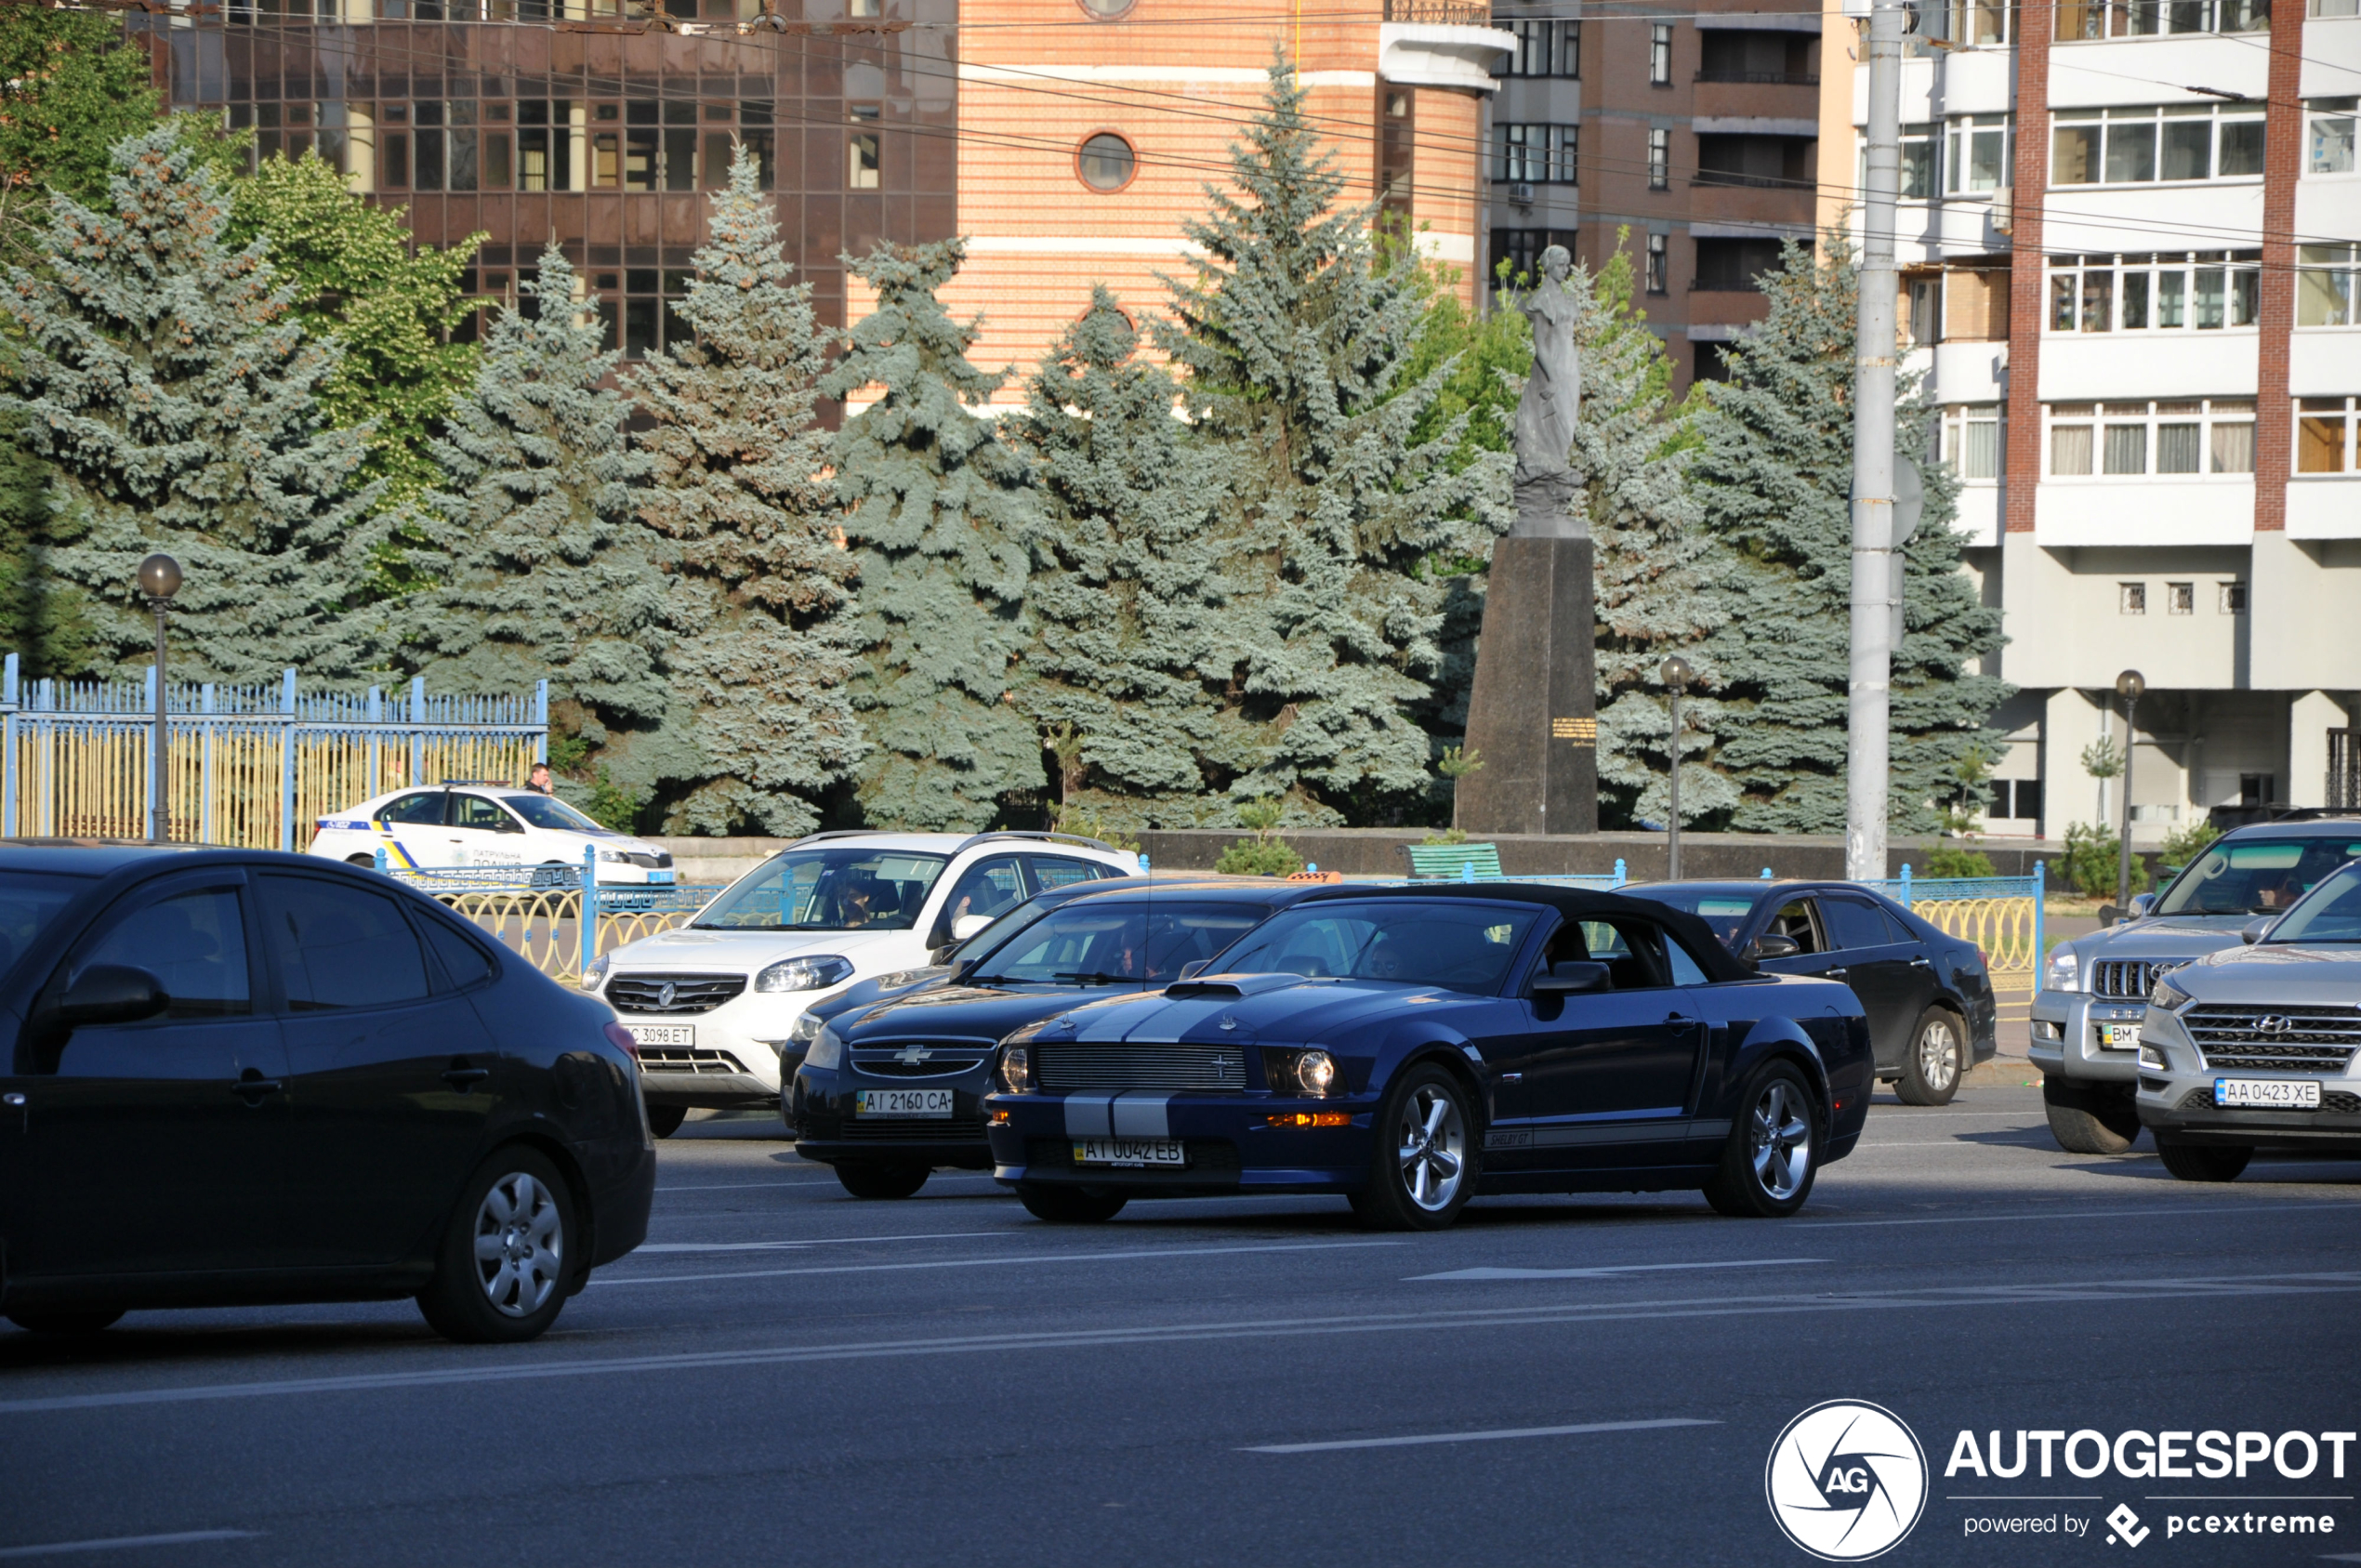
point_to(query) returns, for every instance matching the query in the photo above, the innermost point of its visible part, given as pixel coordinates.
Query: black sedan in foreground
(235, 1078)
(890, 1090)
(1411, 1047)
(1928, 994)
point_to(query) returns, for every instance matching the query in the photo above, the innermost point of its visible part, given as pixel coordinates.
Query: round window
(1107, 161)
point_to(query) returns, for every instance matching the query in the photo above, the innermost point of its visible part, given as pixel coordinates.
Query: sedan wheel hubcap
(520, 1245)
(1938, 1057)
(1433, 1145)
(1781, 1136)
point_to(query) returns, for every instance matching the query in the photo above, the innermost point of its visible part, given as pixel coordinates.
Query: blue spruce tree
(541, 564)
(1294, 337)
(941, 515)
(1128, 594)
(165, 376)
(761, 726)
(1775, 475)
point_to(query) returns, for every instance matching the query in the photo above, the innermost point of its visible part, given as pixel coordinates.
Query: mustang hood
(1245, 1008)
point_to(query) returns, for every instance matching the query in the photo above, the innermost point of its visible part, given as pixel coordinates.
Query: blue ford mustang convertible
(1410, 1047)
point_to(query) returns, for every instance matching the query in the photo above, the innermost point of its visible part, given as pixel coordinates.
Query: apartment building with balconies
(1691, 138)
(2128, 239)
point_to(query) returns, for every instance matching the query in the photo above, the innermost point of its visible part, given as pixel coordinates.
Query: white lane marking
(819, 1241)
(1504, 1433)
(1607, 1270)
(476, 1374)
(124, 1543)
(2226, 1206)
(995, 1262)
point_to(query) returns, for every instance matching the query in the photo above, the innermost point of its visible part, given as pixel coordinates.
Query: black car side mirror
(1771, 944)
(1573, 975)
(110, 994)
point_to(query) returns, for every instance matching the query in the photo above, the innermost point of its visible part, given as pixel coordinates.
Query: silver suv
(2090, 1012)
(2254, 1047)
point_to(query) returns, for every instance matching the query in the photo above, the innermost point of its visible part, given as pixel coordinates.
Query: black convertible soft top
(1573, 903)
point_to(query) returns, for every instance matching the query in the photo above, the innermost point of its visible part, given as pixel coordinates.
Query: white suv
(717, 1004)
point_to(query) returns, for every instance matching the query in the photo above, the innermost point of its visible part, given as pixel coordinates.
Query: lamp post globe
(2129, 686)
(1676, 672)
(159, 576)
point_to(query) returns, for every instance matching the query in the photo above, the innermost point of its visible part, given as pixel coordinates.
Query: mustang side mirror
(2252, 933)
(1193, 968)
(967, 926)
(1771, 944)
(1572, 976)
(110, 994)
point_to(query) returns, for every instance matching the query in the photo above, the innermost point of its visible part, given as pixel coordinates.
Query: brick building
(1068, 138)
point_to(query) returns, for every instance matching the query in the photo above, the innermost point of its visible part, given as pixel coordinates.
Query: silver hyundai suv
(2254, 1048)
(2088, 1017)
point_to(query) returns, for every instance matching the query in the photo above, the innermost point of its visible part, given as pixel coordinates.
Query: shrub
(2186, 844)
(2091, 860)
(1259, 857)
(1950, 860)
(1088, 824)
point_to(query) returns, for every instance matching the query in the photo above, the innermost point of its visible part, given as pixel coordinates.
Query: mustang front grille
(2130, 977)
(688, 994)
(1081, 1065)
(2306, 1039)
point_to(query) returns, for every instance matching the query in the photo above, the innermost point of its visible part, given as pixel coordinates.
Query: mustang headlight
(827, 1050)
(596, 975)
(1015, 1071)
(2064, 971)
(1312, 1073)
(2169, 996)
(805, 974)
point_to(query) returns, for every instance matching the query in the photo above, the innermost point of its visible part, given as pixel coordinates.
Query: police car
(481, 823)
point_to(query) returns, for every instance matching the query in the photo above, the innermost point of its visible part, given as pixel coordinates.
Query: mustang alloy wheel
(1772, 1155)
(1424, 1170)
(500, 1275)
(1938, 1051)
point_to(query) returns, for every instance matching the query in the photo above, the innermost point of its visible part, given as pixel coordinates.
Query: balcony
(1761, 78)
(1439, 13)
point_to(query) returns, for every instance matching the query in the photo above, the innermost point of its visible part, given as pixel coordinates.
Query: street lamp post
(158, 579)
(1677, 674)
(2129, 685)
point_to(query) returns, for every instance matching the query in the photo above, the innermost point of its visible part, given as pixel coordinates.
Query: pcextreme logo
(1846, 1480)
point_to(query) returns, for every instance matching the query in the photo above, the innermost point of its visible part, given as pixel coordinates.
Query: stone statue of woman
(1552, 404)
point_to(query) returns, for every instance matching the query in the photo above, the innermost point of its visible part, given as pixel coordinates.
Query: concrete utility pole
(1869, 708)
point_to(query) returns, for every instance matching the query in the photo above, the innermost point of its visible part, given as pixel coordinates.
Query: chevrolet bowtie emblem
(910, 1056)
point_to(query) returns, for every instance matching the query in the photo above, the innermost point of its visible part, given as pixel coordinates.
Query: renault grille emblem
(665, 993)
(2273, 1023)
(910, 1056)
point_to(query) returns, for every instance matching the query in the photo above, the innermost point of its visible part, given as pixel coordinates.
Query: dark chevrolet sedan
(894, 1089)
(1409, 1047)
(1928, 994)
(236, 1078)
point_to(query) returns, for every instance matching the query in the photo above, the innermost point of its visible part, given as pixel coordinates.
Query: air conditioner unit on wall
(1521, 194)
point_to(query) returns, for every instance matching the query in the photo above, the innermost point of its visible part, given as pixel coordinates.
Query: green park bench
(1454, 861)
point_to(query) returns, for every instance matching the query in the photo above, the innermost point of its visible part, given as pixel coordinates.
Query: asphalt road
(786, 1374)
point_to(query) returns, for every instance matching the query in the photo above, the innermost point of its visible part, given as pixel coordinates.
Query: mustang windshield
(29, 901)
(1102, 942)
(1458, 947)
(2255, 876)
(842, 889)
(2331, 912)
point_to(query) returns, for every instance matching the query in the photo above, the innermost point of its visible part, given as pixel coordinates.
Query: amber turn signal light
(1310, 1119)
(999, 1118)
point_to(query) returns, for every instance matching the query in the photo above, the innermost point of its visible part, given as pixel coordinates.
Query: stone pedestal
(1531, 716)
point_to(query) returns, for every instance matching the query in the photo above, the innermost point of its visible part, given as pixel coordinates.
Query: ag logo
(1846, 1480)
